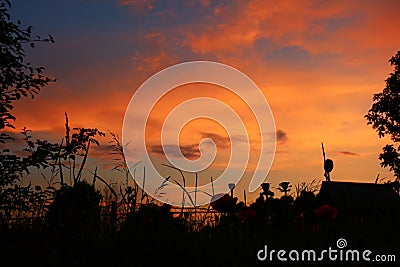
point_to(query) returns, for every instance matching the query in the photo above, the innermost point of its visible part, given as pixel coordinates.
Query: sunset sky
(318, 63)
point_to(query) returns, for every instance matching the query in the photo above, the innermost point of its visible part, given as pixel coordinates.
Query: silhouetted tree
(42, 154)
(17, 77)
(384, 116)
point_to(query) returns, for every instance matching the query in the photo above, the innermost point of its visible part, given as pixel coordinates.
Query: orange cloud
(154, 62)
(317, 27)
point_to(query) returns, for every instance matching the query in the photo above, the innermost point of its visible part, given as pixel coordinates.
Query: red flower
(326, 212)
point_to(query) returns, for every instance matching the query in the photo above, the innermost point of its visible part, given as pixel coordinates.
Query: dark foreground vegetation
(77, 231)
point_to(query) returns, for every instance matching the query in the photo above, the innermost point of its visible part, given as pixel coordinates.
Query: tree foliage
(61, 158)
(18, 78)
(384, 116)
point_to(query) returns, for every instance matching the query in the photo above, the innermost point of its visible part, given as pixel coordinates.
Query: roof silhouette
(359, 197)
